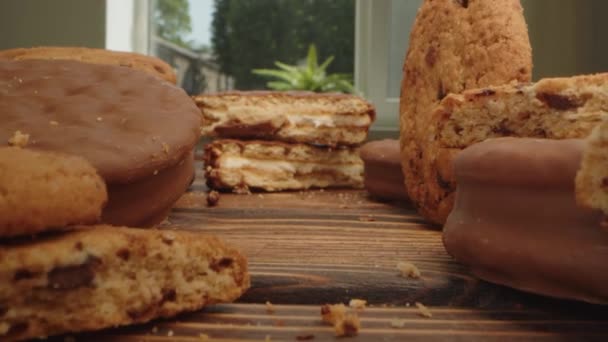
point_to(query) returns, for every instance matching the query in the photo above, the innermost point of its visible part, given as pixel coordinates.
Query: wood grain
(310, 248)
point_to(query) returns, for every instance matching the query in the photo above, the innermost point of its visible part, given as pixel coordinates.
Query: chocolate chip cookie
(42, 191)
(103, 277)
(454, 45)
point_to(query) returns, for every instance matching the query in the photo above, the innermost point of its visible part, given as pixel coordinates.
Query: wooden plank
(310, 248)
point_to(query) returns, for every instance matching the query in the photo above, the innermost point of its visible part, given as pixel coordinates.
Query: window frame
(372, 61)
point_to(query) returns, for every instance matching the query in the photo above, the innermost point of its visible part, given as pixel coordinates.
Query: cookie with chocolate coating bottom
(42, 191)
(90, 279)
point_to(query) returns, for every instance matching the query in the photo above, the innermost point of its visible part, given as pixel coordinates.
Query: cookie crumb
(269, 307)
(166, 148)
(203, 337)
(408, 269)
(358, 304)
(99, 118)
(242, 190)
(423, 310)
(53, 123)
(213, 198)
(19, 139)
(154, 329)
(367, 218)
(170, 333)
(155, 172)
(345, 323)
(267, 339)
(305, 337)
(397, 323)
(167, 237)
(261, 196)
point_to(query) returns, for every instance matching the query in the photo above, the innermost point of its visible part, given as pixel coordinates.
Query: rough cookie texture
(136, 61)
(303, 117)
(552, 108)
(454, 45)
(42, 191)
(592, 178)
(274, 166)
(107, 276)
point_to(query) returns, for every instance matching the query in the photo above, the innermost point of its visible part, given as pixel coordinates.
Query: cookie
(43, 191)
(104, 277)
(383, 173)
(330, 119)
(151, 65)
(552, 108)
(274, 166)
(592, 178)
(454, 45)
(138, 133)
(516, 221)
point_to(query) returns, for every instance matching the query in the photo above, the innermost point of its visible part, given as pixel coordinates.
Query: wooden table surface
(310, 248)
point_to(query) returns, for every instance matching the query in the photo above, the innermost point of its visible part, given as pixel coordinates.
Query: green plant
(307, 76)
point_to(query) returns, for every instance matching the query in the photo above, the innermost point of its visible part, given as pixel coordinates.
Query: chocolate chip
(605, 183)
(3, 310)
(463, 3)
(23, 273)
(325, 309)
(558, 102)
(123, 253)
(143, 313)
(441, 93)
(213, 198)
(18, 328)
(71, 277)
(431, 56)
(442, 183)
(169, 295)
(539, 133)
(217, 266)
(502, 129)
(524, 115)
(78, 245)
(485, 92)
(458, 129)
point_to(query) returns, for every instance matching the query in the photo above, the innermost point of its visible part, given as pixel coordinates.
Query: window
(368, 39)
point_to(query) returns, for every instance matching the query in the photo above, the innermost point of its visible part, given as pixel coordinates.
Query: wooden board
(310, 248)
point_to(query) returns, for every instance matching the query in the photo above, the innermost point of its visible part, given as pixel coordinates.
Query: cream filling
(328, 120)
(235, 162)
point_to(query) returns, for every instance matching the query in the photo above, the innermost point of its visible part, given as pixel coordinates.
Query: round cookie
(128, 125)
(516, 221)
(149, 64)
(43, 191)
(454, 45)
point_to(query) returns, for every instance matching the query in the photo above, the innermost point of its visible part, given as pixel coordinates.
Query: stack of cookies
(275, 141)
(94, 144)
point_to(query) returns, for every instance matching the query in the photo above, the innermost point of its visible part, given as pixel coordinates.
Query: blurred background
(215, 45)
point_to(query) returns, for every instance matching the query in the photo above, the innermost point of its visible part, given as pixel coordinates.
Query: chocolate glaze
(125, 122)
(516, 221)
(148, 201)
(383, 173)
